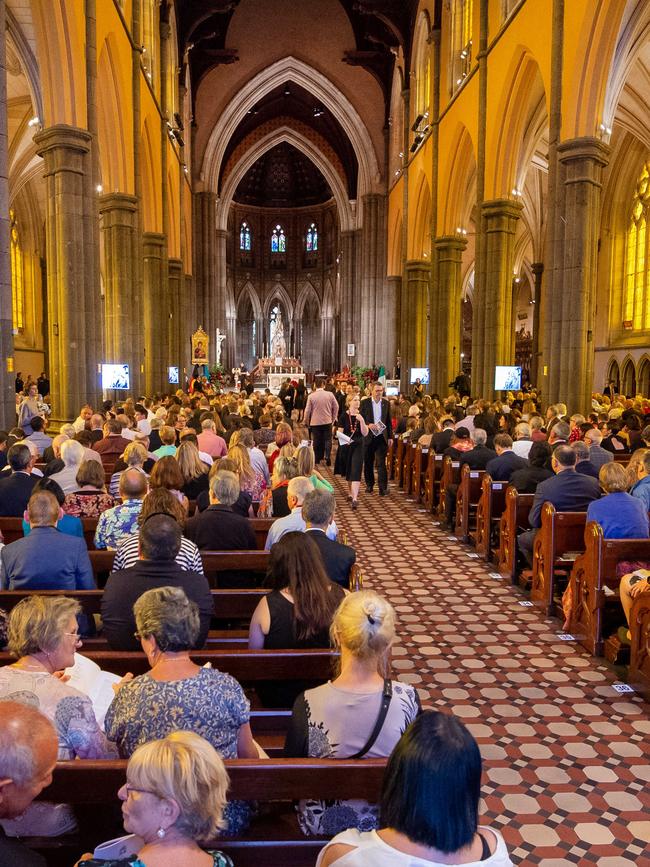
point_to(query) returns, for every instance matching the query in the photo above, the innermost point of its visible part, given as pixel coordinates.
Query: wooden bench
(407, 470)
(274, 836)
(513, 520)
(560, 536)
(621, 458)
(488, 514)
(12, 529)
(420, 462)
(247, 666)
(594, 582)
(450, 476)
(390, 463)
(399, 462)
(639, 670)
(467, 498)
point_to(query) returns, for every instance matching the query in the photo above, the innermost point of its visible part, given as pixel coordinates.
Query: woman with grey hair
(43, 635)
(173, 799)
(185, 696)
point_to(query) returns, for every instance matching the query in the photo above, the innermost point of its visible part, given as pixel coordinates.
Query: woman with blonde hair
(173, 800)
(134, 456)
(359, 713)
(193, 470)
(306, 465)
(250, 480)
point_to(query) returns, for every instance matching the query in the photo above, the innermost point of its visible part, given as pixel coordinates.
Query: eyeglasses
(75, 635)
(129, 789)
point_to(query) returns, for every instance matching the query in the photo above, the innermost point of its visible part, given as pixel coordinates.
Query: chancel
(339, 310)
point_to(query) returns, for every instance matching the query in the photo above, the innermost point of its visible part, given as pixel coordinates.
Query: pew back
(561, 536)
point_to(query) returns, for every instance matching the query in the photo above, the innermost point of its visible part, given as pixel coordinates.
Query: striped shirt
(188, 558)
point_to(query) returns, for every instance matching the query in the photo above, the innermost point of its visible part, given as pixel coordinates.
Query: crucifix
(220, 339)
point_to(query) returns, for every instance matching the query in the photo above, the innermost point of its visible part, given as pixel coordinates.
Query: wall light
(99, 188)
(34, 121)
(516, 193)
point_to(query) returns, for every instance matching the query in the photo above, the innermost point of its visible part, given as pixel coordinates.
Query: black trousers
(375, 453)
(321, 436)
(525, 545)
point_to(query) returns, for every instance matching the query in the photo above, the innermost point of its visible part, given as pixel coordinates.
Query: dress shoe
(383, 493)
(368, 490)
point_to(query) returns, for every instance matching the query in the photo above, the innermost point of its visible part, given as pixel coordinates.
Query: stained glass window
(462, 21)
(245, 237)
(311, 241)
(636, 289)
(278, 240)
(17, 276)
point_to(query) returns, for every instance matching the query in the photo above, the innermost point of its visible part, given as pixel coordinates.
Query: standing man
(321, 412)
(375, 411)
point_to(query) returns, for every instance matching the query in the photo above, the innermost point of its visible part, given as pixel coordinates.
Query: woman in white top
(360, 713)
(429, 806)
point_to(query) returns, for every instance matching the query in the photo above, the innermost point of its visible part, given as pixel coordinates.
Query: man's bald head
(28, 753)
(133, 485)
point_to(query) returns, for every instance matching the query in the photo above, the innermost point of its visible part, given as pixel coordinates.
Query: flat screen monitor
(116, 376)
(392, 387)
(507, 378)
(421, 373)
(172, 375)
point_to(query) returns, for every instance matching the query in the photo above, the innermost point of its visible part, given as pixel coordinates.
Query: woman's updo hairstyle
(364, 623)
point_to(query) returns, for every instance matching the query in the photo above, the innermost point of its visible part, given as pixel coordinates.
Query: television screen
(116, 376)
(421, 373)
(507, 378)
(392, 387)
(172, 375)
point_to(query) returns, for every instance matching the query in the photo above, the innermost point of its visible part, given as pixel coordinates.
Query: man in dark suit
(567, 490)
(16, 489)
(159, 544)
(218, 528)
(478, 457)
(318, 511)
(375, 411)
(506, 461)
(46, 559)
(113, 443)
(441, 441)
(583, 460)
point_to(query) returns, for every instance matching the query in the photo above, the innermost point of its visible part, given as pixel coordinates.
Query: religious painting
(200, 344)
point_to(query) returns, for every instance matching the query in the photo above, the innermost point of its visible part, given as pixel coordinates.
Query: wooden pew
(271, 839)
(407, 470)
(450, 476)
(513, 520)
(420, 463)
(12, 529)
(592, 573)
(622, 458)
(246, 666)
(399, 461)
(560, 536)
(469, 493)
(639, 670)
(488, 514)
(390, 462)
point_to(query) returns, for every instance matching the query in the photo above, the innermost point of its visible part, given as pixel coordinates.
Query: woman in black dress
(352, 425)
(300, 400)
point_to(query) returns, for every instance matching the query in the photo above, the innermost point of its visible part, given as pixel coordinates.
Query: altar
(275, 380)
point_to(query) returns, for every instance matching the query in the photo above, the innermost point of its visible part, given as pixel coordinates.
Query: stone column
(583, 161)
(156, 344)
(190, 316)
(393, 294)
(122, 306)
(205, 260)
(499, 217)
(538, 269)
(445, 343)
(176, 311)
(7, 371)
(68, 237)
(327, 345)
(349, 332)
(375, 314)
(415, 308)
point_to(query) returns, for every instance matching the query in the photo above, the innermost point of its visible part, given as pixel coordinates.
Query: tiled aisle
(567, 758)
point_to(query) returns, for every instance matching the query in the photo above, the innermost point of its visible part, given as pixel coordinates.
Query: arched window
(636, 292)
(278, 240)
(311, 240)
(461, 43)
(245, 237)
(17, 277)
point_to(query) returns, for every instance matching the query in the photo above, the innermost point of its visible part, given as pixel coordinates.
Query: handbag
(381, 718)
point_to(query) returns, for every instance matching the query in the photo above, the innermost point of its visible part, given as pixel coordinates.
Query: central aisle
(566, 762)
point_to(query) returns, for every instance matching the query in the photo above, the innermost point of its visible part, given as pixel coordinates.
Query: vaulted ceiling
(283, 178)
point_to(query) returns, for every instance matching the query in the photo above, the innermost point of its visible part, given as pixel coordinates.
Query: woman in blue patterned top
(177, 694)
(173, 799)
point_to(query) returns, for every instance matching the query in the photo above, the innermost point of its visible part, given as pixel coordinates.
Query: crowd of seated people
(195, 489)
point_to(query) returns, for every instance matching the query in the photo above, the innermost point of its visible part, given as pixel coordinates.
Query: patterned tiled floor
(566, 756)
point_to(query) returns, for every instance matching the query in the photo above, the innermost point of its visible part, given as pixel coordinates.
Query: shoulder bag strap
(383, 711)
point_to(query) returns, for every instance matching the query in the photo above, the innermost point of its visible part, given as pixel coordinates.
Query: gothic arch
(113, 136)
(307, 147)
(628, 376)
(457, 204)
(278, 293)
(396, 123)
(304, 296)
(323, 90)
(421, 67)
(395, 264)
(249, 289)
(328, 308)
(421, 234)
(614, 373)
(27, 60)
(643, 376)
(151, 212)
(633, 38)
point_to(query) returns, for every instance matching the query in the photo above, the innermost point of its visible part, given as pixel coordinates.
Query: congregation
(162, 485)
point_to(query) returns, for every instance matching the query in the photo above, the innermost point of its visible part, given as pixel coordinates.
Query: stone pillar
(499, 217)
(393, 295)
(582, 161)
(445, 313)
(176, 311)
(190, 316)
(122, 306)
(538, 269)
(375, 314)
(414, 324)
(205, 260)
(327, 345)
(349, 325)
(156, 344)
(7, 371)
(68, 237)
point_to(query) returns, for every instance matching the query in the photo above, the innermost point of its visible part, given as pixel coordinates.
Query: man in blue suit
(568, 490)
(46, 559)
(506, 461)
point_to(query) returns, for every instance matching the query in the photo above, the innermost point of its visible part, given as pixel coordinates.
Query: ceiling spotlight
(318, 111)
(99, 188)
(516, 193)
(252, 110)
(286, 91)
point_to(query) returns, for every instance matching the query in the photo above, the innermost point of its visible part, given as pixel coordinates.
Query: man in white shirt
(84, 416)
(523, 442)
(297, 490)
